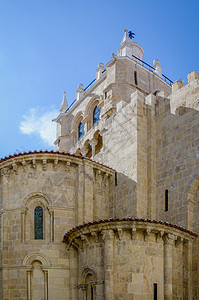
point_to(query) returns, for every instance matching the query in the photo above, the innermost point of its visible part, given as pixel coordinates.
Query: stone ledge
(134, 223)
(44, 155)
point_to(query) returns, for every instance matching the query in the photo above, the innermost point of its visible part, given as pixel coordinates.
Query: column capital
(169, 238)
(93, 142)
(107, 235)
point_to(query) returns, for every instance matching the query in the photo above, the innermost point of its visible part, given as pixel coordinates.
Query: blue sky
(48, 47)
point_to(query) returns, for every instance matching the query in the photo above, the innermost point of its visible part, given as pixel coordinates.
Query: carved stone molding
(105, 231)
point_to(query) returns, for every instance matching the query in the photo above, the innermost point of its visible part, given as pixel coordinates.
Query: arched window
(80, 130)
(96, 115)
(38, 222)
(166, 200)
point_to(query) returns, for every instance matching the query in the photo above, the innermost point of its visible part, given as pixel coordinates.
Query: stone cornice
(147, 226)
(12, 161)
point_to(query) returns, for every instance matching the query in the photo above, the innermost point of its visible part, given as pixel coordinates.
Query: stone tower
(147, 131)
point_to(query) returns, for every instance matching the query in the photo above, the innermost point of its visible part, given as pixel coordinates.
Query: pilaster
(168, 264)
(108, 237)
(73, 279)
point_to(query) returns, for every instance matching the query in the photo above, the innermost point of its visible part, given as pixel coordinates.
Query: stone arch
(75, 124)
(89, 111)
(191, 199)
(37, 266)
(35, 256)
(43, 198)
(89, 283)
(91, 105)
(79, 116)
(87, 271)
(30, 202)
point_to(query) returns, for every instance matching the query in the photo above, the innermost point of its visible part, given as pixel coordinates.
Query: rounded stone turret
(129, 47)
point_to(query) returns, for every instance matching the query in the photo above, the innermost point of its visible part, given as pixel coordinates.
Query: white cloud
(40, 123)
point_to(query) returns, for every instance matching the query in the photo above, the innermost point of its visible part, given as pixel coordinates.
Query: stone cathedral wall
(70, 191)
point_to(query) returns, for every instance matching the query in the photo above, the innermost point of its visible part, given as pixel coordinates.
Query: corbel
(44, 161)
(99, 172)
(24, 164)
(67, 166)
(159, 235)
(95, 236)
(55, 164)
(120, 233)
(133, 232)
(15, 168)
(5, 172)
(147, 233)
(34, 164)
(76, 245)
(85, 240)
(178, 241)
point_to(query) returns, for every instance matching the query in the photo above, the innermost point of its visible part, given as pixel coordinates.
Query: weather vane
(131, 35)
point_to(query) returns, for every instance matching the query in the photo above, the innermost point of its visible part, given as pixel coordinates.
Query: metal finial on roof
(131, 34)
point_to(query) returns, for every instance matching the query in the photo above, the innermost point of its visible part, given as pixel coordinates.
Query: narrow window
(135, 77)
(80, 130)
(115, 178)
(92, 294)
(155, 291)
(96, 115)
(166, 200)
(38, 218)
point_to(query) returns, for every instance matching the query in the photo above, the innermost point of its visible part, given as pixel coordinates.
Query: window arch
(38, 223)
(90, 281)
(96, 115)
(80, 130)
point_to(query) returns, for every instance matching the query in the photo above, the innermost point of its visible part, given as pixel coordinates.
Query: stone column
(23, 212)
(80, 194)
(168, 252)
(45, 284)
(93, 143)
(88, 193)
(29, 273)
(108, 237)
(84, 289)
(73, 273)
(51, 212)
(189, 269)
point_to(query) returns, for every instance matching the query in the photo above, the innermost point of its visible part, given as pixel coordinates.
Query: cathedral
(113, 212)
